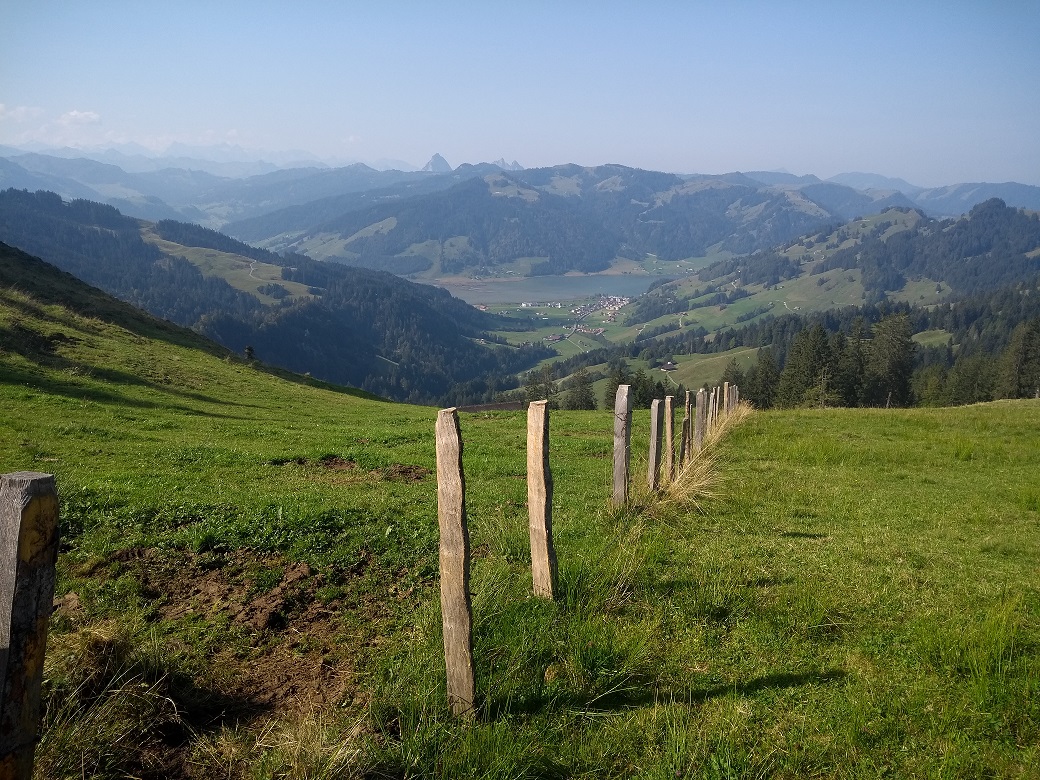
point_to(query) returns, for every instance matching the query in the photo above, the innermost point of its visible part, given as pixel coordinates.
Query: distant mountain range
(487, 218)
(560, 219)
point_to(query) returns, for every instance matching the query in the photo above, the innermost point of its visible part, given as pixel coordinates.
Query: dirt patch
(395, 472)
(399, 472)
(294, 653)
(336, 463)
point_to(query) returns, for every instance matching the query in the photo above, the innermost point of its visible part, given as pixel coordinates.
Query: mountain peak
(505, 166)
(437, 164)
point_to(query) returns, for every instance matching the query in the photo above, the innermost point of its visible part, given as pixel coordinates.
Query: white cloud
(75, 117)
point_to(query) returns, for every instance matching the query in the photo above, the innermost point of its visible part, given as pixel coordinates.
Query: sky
(932, 92)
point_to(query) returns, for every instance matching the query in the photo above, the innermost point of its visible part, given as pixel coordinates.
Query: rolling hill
(352, 326)
(556, 220)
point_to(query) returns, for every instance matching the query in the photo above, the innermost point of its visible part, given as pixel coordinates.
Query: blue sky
(935, 93)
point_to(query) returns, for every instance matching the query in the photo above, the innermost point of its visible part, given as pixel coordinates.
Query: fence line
(456, 607)
(669, 438)
(686, 439)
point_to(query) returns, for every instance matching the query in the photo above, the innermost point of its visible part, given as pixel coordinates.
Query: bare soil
(288, 650)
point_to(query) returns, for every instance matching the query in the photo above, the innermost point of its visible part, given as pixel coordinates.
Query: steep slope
(993, 246)
(13, 175)
(488, 221)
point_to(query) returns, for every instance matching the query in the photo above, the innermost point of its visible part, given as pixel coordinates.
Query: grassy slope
(860, 599)
(238, 271)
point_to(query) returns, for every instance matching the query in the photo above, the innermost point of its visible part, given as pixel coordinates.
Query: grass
(238, 271)
(857, 599)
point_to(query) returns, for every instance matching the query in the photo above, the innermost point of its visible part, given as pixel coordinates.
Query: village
(609, 304)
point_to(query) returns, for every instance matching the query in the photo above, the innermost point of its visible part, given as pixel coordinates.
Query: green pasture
(854, 596)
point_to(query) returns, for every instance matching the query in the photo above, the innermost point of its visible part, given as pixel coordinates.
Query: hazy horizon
(935, 93)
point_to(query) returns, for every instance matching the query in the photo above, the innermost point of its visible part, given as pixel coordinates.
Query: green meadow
(247, 584)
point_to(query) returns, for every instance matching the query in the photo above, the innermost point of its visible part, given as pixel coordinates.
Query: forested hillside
(359, 327)
(564, 218)
(995, 246)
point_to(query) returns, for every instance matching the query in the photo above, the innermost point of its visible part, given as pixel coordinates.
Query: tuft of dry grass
(697, 480)
(106, 693)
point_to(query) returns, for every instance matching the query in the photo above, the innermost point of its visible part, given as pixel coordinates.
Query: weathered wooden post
(622, 442)
(710, 422)
(539, 500)
(685, 436)
(725, 399)
(700, 420)
(736, 396)
(456, 610)
(669, 437)
(28, 552)
(653, 471)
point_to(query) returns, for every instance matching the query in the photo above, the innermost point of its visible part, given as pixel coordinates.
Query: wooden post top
(27, 478)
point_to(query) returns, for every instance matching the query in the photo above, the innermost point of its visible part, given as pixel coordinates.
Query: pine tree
(539, 385)
(1018, 368)
(850, 362)
(644, 390)
(762, 380)
(733, 374)
(890, 362)
(580, 394)
(618, 374)
(807, 368)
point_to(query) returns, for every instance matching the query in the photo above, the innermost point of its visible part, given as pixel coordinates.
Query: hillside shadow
(634, 696)
(53, 386)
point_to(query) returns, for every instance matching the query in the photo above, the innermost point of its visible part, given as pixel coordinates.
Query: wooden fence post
(28, 552)
(456, 609)
(700, 420)
(736, 396)
(539, 500)
(725, 399)
(687, 432)
(710, 422)
(669, 437)
(653, 471)
(622, 442)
